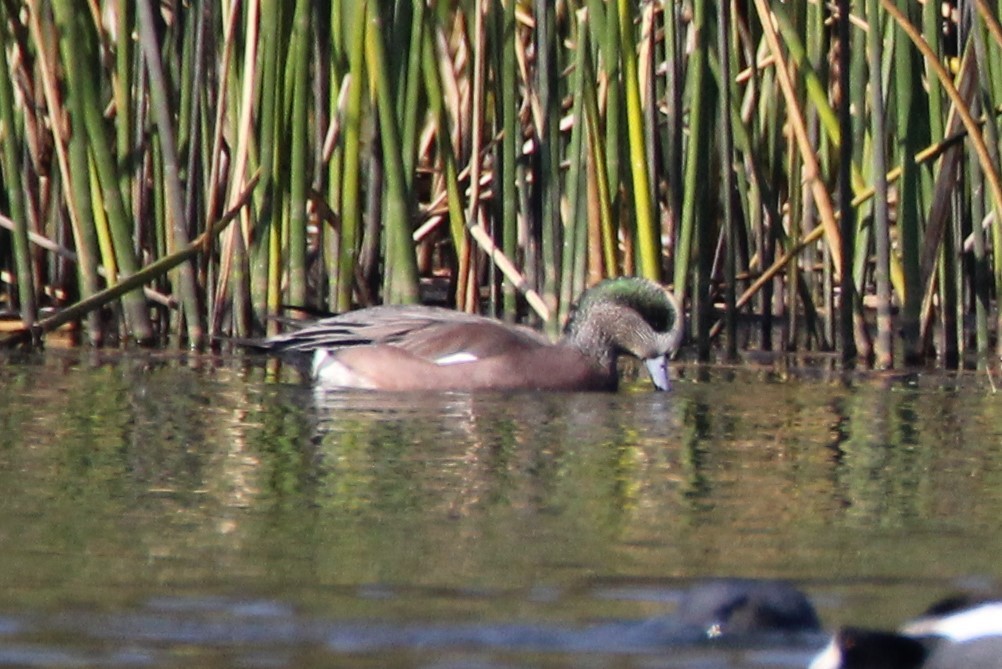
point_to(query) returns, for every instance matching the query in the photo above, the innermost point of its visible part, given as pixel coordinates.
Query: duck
(747, 606)
(953, 633)
(427, 348)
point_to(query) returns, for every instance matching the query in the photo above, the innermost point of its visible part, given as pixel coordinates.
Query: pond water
(178, 511)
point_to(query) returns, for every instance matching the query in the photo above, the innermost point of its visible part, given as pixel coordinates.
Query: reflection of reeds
(509, 153)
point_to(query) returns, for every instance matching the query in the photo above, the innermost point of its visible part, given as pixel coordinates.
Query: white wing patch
(456, 358)
(973, 623)
(829, 658)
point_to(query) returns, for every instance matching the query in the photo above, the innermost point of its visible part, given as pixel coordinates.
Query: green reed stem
(400, 282)
(510, 133)
(450, 171)
(884, 345)
(727, 180)
(119, 220)
(300, 152)
(121, 87)
(991, 146)
(409, 95)
(674, 146)
(548, 174)
(77, 164)
(695, 164)
(12, 146)
(172, 183)
(577, 224)
(612, 63)
(267, 83)
(847, 211)
(911, 135)
(599, 160)
(351, 211)
(648, 246)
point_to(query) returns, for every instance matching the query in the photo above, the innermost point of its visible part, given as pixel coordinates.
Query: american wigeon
(430, 348)
(858, 648)
(746, 606)
(950, 635)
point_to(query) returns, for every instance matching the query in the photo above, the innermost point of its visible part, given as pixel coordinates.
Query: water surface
(169, 511)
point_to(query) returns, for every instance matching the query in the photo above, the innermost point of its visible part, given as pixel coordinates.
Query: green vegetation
(172, 170)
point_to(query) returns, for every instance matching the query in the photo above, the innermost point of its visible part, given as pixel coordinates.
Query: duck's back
(426, 331)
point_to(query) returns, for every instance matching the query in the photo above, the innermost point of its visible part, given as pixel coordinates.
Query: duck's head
(627, 315)
(857, 648)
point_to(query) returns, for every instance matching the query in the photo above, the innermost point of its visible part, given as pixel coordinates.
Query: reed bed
(805, 175)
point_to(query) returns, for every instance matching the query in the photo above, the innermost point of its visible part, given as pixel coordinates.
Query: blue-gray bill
(658, 369)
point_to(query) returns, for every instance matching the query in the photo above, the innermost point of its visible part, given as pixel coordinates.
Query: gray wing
(430, 332)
